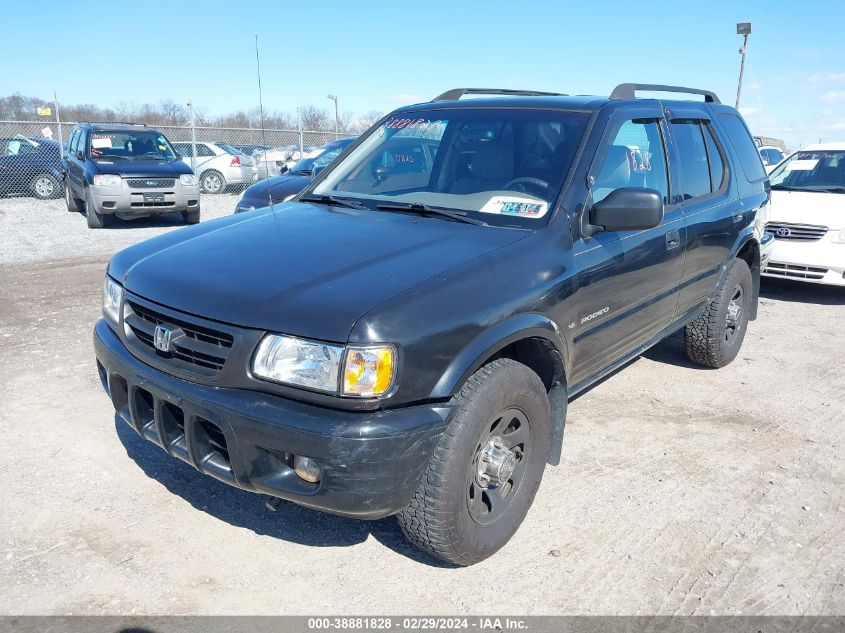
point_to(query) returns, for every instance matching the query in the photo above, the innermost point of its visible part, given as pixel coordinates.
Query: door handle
(673, 240)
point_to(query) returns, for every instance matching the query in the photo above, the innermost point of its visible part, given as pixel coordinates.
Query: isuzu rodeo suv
(403, 337)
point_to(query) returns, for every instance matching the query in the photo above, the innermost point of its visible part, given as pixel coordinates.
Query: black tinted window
(744, 146)
(717, 165)
(692, 153)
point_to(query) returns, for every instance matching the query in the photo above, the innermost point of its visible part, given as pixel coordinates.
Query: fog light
(306, 468)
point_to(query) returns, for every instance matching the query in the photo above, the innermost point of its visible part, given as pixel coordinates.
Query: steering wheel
(525, 183)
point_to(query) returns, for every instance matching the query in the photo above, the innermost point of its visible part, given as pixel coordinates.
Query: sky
(380, 55)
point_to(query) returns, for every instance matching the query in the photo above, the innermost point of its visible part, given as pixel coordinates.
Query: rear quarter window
(740, 139)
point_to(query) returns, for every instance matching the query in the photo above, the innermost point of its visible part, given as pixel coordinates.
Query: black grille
(801, 232)
(193, 347)
(150, 183)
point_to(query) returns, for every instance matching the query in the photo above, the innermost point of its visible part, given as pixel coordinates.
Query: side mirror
(628, 209)
(316, 170)
(79, 155)
(177, 155)
(380, 173)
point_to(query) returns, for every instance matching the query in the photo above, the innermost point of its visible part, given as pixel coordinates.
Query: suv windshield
(500, 166)
(129, 145)
(812, 170)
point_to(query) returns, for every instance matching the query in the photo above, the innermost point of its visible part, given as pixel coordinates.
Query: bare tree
(314, 118)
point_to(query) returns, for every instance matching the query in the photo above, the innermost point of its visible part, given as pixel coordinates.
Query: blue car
(281, 188)
(30, 166)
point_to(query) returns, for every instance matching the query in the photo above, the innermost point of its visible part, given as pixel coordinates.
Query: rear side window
(692, 153)
(714, 155)
(204, 150)
(744, 146)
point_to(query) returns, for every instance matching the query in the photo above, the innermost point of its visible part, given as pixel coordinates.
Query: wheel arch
(531, 339)
(747, 249)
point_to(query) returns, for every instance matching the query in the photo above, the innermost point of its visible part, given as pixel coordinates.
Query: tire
(70, 201)
(715, 337)
(212, 182)
(452, 515)
(45, 187)
(191, 217)
(95, 220)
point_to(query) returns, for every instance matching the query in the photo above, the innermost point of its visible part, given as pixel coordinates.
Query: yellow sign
(44, 111)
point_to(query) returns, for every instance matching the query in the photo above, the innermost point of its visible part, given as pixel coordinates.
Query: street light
(336, 119)
(744, 29)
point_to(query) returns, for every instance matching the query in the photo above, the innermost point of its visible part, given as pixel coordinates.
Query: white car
(771, 156)
(219, 166)
(807, 216)
(278, 160)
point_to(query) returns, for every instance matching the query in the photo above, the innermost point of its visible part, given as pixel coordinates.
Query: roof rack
(457, 93)
(628, 91)
(113, 123)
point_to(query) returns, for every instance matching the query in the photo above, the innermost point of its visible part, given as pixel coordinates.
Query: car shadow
(672, 351)
(802, 292)
(149, 222)
(243, 509)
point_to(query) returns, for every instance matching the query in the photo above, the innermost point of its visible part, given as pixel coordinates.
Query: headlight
(368, 371)
(298, 362)
(112, 298)
(188, 180)
(839, 238)
(106, 180)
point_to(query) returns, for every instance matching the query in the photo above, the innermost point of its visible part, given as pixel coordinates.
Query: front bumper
(371, 462)
(820, 261)
(127, 201)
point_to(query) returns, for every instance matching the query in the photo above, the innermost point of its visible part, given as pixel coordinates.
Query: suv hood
(142, 168)
(805, 207)
(301, 269)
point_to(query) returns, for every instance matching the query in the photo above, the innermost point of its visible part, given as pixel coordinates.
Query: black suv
(129, 171)
(403, 337)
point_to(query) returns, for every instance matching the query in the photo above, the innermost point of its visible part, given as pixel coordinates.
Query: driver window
(634, 158)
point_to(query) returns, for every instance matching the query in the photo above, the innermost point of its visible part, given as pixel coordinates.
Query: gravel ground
(682, 490)
(44, 231)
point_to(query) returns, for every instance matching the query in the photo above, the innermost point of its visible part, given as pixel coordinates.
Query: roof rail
(113, 123)
(628, 91)
(457, 93)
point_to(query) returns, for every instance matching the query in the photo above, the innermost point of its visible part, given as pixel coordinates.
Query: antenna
(261, 116)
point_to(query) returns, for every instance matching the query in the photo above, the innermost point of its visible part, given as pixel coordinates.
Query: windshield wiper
(424, 209)
(833, 189)
(340, 202)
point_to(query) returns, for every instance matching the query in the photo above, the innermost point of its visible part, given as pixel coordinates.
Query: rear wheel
(715, 337)
(212, 181)
(45, 187)
(95, 220)
(70, 201)
(191, 217)
(486, 467)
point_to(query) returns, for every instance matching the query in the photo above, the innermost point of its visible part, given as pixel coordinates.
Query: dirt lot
(682, 490)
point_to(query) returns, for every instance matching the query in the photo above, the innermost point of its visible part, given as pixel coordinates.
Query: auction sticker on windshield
(507, 205)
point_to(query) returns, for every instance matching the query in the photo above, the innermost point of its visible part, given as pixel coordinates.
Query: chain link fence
(31, 152)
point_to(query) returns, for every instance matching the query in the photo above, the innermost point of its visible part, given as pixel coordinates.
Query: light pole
(744, 29)
(336, 118)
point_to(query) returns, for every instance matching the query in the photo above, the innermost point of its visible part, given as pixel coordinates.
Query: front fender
(491, 341)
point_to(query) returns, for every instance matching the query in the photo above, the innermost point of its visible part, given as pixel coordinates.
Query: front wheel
(95, 220)
(714, 338)
(486, 467)
(70, 201)
(191, 217)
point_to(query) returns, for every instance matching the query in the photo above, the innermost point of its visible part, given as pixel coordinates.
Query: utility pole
(193, 138)
(59, 125)
(744, 29)
(336, 117)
